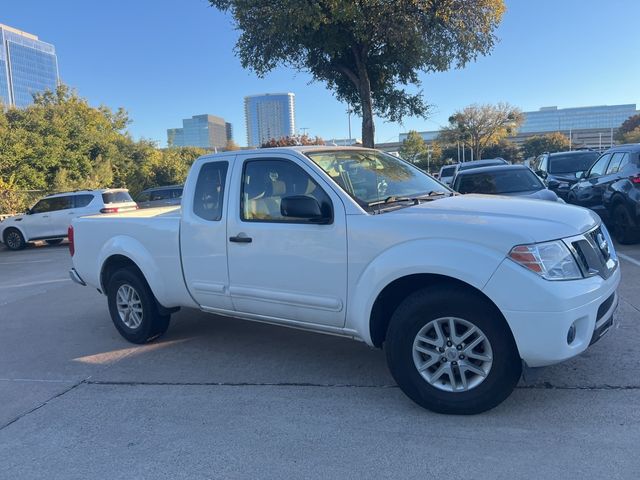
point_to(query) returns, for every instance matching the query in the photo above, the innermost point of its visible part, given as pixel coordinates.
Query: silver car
(160, 196)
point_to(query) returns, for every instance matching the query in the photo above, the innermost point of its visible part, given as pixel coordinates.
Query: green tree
(504, 149)
(414, 149)
(367, 51)
(480, 126)
(631, 137)
(550, 142)
(59, 136)
(231, 146)
(629, 125)
(60, 142)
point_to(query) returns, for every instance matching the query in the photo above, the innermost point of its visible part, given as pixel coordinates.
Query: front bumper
(540, 313)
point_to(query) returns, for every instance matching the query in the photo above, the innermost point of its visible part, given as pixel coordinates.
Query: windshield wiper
(393, 199)
(415, 199)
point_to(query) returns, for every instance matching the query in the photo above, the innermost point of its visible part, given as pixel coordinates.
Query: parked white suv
(50, 218)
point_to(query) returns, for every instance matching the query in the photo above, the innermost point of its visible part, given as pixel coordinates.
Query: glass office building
(269, 116)
(554, 119)
(27, 66)
(590, 127)
(205, 131)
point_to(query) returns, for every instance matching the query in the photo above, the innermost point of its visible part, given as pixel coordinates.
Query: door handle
(45, 216)
(241, 238)
(71, 213)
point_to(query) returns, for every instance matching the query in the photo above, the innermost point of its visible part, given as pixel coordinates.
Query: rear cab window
(209, 193)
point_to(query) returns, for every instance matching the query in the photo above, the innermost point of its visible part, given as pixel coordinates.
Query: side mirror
(28, 211)
(553, 184)
(581, 175)
(303, 207)
(542, 174)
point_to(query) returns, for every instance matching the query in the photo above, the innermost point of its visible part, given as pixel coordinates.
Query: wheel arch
(398, 290)
(16, 227)
(119, 261)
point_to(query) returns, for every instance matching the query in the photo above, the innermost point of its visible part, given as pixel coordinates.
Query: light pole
(349, 117)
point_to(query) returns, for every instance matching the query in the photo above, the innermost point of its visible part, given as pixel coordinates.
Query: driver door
(280, 268)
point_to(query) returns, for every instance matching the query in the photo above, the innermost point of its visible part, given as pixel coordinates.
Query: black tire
(423, 306)
(153, 324)
(625, 229)
(13, 239)
(572, 199)
(55, 241)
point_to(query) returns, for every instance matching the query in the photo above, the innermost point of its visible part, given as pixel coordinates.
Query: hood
(543, 194)
(12, 219)
(508, 220)
(563, 177)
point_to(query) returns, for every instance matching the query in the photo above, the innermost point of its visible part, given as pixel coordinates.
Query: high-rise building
(27, 66)
(271, 115)
(205, 131)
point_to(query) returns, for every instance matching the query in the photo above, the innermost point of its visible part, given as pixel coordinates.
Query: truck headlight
(550, 260)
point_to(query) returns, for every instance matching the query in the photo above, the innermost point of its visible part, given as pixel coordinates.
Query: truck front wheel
(450, 351)
(133, 307)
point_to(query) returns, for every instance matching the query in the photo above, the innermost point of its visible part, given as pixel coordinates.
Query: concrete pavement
(223, 398)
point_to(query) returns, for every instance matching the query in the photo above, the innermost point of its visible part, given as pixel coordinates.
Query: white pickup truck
(462, 291)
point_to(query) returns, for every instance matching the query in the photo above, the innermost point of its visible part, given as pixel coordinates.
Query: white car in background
(51, 216)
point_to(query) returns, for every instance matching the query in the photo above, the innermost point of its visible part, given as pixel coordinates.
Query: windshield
(572, 163)
(500, 182)
(371, 177)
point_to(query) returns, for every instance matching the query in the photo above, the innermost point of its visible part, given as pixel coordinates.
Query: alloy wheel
(13, 239)
(129, 306)
(452, 354)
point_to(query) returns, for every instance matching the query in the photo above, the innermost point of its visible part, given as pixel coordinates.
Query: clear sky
(164, 60)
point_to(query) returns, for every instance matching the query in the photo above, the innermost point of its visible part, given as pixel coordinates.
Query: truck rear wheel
(450, 351)
(133, 307)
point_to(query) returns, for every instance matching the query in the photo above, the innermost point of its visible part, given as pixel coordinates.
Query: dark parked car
(563, 169)
(160, 196)
(611, 188)
(512, 180)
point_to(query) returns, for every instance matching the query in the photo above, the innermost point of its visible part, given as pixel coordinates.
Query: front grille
(593, 253)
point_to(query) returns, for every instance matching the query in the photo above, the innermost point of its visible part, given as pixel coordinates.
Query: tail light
(110, 210)
(635, 179)
(72, 247)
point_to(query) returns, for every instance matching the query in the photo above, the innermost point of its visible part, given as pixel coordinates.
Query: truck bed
(153, 233)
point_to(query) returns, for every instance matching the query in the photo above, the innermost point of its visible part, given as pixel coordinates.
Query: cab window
(266, 182)
(209, 193)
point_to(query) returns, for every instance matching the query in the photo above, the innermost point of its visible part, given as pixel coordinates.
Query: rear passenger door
(203, 235)
(60, 216)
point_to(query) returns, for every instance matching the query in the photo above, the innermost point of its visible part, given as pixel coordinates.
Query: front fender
(15, 225)
(465, 261)
(134, 250)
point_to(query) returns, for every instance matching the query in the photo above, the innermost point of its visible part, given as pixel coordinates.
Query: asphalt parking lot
(224, 398)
